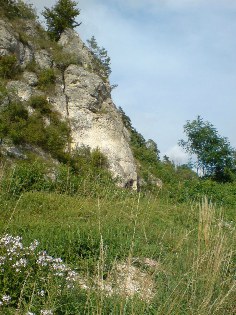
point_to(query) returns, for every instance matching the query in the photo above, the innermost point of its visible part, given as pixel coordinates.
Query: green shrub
(13, 120)
(13, 9)
(34, 131)
(23, 38)
(42, 128)
(85, 160)
(64, 59)
(25, 177)
(3, 92)
(46, 79)
(8, 67)
(56, 138)
(98, 159)
(32, 66)
(41, 104)
(101, 62)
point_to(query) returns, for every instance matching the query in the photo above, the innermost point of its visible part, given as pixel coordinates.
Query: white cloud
(177, 155)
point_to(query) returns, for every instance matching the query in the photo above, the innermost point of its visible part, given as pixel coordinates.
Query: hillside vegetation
(73, 242)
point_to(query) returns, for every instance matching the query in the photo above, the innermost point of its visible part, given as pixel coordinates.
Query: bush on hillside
(8, 66)
(40, 103)
(25, 176)
(43, 127)
(46, 79)
(17, 9)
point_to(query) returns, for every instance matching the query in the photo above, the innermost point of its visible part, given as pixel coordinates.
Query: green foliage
(145, 152)
(57, 135)
(89, 163)
(188, 244)
(191, 189)
(17, 9)
(46, 79)
(8, 66)
(84, 181)
(64, 59)
(152, 146)
(23, 38)
(13, 121)
(61, 16)
(51, 134)
(215, 156)
(126, 120)
(102, 61)
(41, 104)
(151, 168)
(32, 66)
(3, 92)
(25, 176)
(32, 270)
(98, 160)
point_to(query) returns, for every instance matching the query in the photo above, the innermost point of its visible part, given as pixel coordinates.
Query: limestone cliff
(79, 94)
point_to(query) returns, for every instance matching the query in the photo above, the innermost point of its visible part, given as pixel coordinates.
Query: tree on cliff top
(60, 17)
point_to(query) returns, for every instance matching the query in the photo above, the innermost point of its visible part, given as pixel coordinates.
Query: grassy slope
(188, 252)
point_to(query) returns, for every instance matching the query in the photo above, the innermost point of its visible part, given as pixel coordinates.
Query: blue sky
(172, 60)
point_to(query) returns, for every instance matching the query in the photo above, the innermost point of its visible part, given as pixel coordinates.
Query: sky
(172, 60)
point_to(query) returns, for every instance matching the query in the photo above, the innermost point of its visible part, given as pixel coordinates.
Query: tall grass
(133, 253)
(208, 286)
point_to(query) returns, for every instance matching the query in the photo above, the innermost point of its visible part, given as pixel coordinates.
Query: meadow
(124, 253)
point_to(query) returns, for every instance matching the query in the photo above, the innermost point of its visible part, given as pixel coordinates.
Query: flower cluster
(71, 278)
(57, 267)
(22, 261)
(42, 312)
(46, 312)
(13, 252)
(5, 300)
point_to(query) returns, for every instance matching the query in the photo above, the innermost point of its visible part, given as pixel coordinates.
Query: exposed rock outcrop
(80, 95)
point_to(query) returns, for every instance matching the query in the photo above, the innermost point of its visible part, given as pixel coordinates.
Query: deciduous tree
(215, 156)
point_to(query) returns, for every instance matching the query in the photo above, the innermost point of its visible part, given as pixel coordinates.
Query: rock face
(80, 95)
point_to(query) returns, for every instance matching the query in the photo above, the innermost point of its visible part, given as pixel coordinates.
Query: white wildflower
(46, 312)
(57, 260)
(44, 259)
(41, 293)
(71, 279)
(2, 260)
(6, 299)
(20, 263)
(33, 245)
(59, 268)
(71, 276)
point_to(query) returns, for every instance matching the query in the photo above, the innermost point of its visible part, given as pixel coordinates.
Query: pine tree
(101, 55)
(60, 17)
